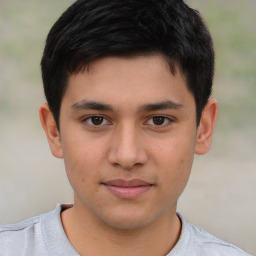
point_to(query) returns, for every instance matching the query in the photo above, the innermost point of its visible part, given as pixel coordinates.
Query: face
(128, 135)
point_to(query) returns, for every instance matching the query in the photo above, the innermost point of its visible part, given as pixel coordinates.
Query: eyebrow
(160, 106)
(94, 105)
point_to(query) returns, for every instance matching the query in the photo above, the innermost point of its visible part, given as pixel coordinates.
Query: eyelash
(167, 121)
(105, 121)
(88, 120)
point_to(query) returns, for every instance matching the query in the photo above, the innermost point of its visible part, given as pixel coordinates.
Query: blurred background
(221, 194)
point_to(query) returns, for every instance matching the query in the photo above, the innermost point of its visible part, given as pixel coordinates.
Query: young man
(127, 85)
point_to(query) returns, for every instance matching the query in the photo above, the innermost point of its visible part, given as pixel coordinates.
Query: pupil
(158, 120)
(97, 120)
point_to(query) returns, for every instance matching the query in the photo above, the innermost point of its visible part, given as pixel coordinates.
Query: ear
(51, 131)
(206, 127)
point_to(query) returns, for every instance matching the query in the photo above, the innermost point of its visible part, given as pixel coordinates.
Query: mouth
(127, 189)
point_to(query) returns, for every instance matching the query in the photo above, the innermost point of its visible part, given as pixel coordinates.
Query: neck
(91, 237)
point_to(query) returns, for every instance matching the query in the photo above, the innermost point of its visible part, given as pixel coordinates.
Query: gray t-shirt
(44, 236)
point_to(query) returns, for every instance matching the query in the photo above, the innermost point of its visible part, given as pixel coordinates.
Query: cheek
(83, 160)
(175, 151)
(175, 157)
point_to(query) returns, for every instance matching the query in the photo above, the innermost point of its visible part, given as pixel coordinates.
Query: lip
(127, 189)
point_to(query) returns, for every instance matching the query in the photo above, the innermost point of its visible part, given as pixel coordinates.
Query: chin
(127, 220)
(127, 224)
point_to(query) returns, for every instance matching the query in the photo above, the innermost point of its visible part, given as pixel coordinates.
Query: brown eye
(158, 120)
(97, 120)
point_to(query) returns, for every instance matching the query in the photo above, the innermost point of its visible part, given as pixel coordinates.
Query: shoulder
(17, 237)
(28, 236)
(207, 244)
(195, 241)
(38, 236)
(16, 229)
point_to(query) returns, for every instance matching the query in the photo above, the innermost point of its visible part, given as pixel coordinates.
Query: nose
(126, 148)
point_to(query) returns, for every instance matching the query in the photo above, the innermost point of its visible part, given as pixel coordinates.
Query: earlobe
(51, 131)
(206, 127)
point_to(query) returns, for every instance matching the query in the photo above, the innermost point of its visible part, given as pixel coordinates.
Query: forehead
(118, 80)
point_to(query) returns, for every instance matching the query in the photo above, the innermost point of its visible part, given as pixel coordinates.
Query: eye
(96, 120)
(159, 121)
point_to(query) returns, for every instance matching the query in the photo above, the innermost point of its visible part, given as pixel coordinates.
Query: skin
(145, 128)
